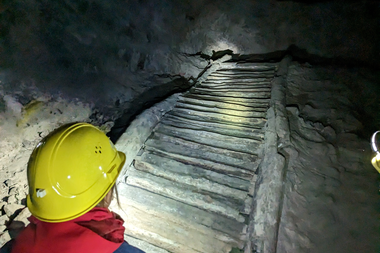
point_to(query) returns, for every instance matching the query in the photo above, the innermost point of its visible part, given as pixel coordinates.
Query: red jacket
(98, 231)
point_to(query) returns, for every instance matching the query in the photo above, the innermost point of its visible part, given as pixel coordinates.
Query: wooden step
(155, 165)
(168, 235)
(207, 164)
(232, 112)
(259, 103)
(252, 95)
(257, 123)
(248, 146)
(225, 229)
(233, 66)
(234, 86)
(189, 195)
(150, 161)
(218, 79)
(251, 82)
(242, 72)
(220, 105)
(239, 76)
(234, 90)
(182, 147)
(241, 132)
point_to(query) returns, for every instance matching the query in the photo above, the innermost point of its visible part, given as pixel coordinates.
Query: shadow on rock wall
(89, 44)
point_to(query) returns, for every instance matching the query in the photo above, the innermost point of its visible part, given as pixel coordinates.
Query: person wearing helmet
(71, 176)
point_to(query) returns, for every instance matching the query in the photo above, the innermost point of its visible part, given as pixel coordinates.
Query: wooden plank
(262, 103)
(167, 234)
(226, 111)
(233, 86)
(248, 66)
(265, 94)
(185, 215)
(189, 195)
(151, 161)
(232, 197)
(236, 158)
(240, 75)
(252, 81)
(243, 145)
(179, 146)
(221, 105)
(229, 79)
(155, 165)
(251, 90)
(206, 163)
(241, 132)
(242, 72)
(218, 118)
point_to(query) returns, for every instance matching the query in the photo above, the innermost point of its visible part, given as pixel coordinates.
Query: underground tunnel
(246, 125)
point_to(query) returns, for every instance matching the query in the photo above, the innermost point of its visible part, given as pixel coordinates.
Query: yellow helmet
(70, 171)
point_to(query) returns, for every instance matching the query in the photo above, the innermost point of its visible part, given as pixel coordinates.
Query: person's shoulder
(126, 248)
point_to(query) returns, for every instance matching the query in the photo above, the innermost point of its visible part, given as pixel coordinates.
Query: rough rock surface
(110, 49)
(330, 201)
(25, 117)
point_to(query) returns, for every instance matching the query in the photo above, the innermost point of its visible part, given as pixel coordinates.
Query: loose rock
(3, 219)
(23, 216)
(4, 238)
(12, 208)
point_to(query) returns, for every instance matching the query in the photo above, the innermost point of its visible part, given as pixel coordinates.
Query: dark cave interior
(106, 62)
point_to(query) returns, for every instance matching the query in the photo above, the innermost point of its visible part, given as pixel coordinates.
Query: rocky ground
(25, 119)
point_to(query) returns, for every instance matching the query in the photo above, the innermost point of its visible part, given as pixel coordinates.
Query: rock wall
(321, 192)
(330, 193)
(112, 50)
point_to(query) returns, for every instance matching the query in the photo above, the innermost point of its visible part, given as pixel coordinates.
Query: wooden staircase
(190, 188)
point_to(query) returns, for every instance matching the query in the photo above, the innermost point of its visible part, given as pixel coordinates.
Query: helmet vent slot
(98, 149)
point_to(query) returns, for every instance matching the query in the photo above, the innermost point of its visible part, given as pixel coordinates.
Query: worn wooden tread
(253, 95)
(257, 123)
(248, 66)
(149, 163)
(182, 147)
(188, 216)
(151, 160)
(238, 76)
(200, 108)
(254, 134)
(220, 105)
(233, 86)
(226, 80)
(242, 72)
(158, 179)
(239, 158)
(259, 103)
(171, 236)
(237, 144)
(252, 81)
(207, 164)
(189, 195)
(234, 90)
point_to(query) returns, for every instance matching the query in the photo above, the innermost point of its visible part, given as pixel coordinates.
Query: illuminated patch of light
(221, 45)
